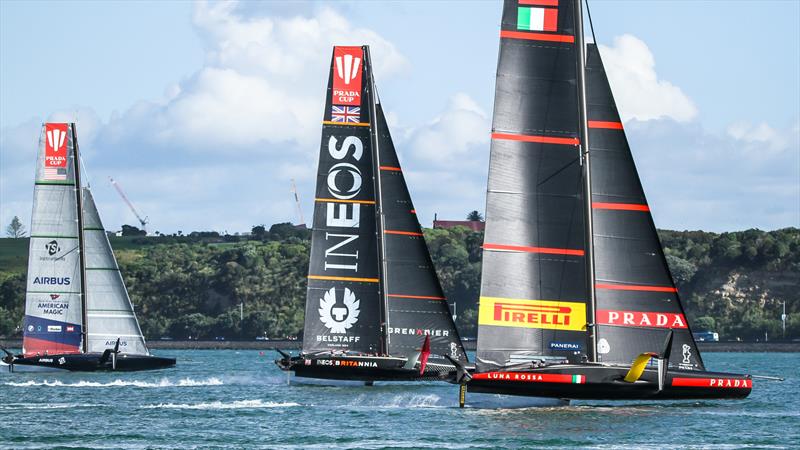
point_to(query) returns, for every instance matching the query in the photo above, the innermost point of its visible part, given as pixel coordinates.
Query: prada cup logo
(52, 247)
(55, 138)
(347, 67)
(339, 319)
(687, 354)
(355, 174)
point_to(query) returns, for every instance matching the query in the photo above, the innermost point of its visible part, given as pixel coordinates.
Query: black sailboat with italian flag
(375, 310)
(577, 301)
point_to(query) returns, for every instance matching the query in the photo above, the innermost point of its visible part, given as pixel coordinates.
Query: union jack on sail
(350, 114)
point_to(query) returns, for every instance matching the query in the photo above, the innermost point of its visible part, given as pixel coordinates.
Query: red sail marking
(546, 250)
(394, 169)
(35, 346)
(421, 297)
(405, 233)
(425, 352)
(639, 319)
(620, 206)
(606, 125)
(537, 36)
(348, 64)
(719, 383)
(538, 139)
(413, 211)
(632, 287)
(531, 377)
(539, 2)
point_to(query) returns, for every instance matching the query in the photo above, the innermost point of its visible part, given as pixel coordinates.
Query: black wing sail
(637, 302)
(533, 287)
(416, 305)
(343, 299)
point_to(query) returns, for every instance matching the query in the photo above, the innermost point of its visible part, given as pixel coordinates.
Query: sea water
(239, 399)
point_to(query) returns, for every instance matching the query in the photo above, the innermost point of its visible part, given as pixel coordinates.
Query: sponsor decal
(307, 362)
(54, 296)
(419, 331)
(344, 170)
(62, 360)
(687, 354)
(347, 70)
(640, 319)
(537, 19)
(546, 314)
(54, 328)
(603, 347)
(52, 281)
(721, 383)
(53, 308)
(529, 377)
(70, 329)
(45, 360)
(55, 151)
(339, 318)
(30, 328)
(346, 363)
(346, 114)
(454, 350)
(53, 249)
(566, 346)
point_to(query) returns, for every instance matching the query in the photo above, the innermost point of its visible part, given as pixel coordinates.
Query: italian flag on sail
(537, 19)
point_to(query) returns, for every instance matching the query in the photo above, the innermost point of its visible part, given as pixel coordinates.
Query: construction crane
(297, 203)
(144, 221)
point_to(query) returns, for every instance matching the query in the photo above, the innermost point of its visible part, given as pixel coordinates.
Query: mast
(583, 133)
(81, 241)
(379, 216)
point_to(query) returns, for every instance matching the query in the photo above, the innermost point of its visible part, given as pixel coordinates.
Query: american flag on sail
(350, 114)
(55, 173)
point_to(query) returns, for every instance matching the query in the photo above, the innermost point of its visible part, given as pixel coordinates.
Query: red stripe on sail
(538, 139)
(633, 287)
(620, 206)
(394, 169)
(537, 36)
(413, 211)
(539, 2)
(606, 125)
(405, 233)
(421, 297)
(547, 250)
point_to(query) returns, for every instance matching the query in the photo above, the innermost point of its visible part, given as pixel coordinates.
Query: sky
(204, 112)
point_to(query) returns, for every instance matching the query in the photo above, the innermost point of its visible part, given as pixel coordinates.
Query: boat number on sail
(338, 317)
(640, 319)
(553, 315)
(347, 69)
(55, 154)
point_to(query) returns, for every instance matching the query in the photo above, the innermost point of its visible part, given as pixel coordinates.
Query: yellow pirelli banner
(520, 313)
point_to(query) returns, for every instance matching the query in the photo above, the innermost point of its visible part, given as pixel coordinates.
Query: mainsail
(62, 307)
(372, 288)
(53, 320)
(533, 288)
(637, 302)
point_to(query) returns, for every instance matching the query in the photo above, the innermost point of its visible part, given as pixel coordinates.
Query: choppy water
(239, 399)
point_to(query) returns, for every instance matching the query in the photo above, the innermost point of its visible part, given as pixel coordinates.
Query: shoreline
(706, 347)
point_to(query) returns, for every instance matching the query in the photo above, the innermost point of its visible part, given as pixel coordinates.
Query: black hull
(93, 362)
(362, 368)
(583, 382)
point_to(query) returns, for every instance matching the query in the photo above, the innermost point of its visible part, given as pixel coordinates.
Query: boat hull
(88, 362)
(361, 369)
(583, 382)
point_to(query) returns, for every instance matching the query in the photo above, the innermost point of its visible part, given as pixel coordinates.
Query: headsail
(53, 317)
(416, 304)
(637, 302)
(343, 299)
(533, 287)
(109, 311)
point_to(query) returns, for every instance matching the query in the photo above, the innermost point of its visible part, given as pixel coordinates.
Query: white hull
(497, 401)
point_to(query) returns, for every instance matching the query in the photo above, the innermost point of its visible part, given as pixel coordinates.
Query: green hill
(181, 286)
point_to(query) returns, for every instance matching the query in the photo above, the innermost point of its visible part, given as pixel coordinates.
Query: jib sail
(416, 304)
(53, 320)
(636, 300)
(533, 284)
(109, 311)
(343, 303)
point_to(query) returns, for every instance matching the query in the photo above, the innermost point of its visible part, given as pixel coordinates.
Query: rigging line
(591, 25)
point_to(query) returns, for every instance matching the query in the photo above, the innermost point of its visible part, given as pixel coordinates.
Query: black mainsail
(78, 315)
(373, 296)
(577, 300)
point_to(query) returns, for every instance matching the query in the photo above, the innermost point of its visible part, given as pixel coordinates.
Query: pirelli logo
(547, 314)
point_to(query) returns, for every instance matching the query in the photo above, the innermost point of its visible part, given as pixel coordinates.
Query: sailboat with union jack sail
(577, 301)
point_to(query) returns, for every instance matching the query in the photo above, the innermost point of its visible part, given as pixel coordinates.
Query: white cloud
(639, 93)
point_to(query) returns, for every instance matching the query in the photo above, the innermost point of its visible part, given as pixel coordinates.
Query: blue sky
(205, 111)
